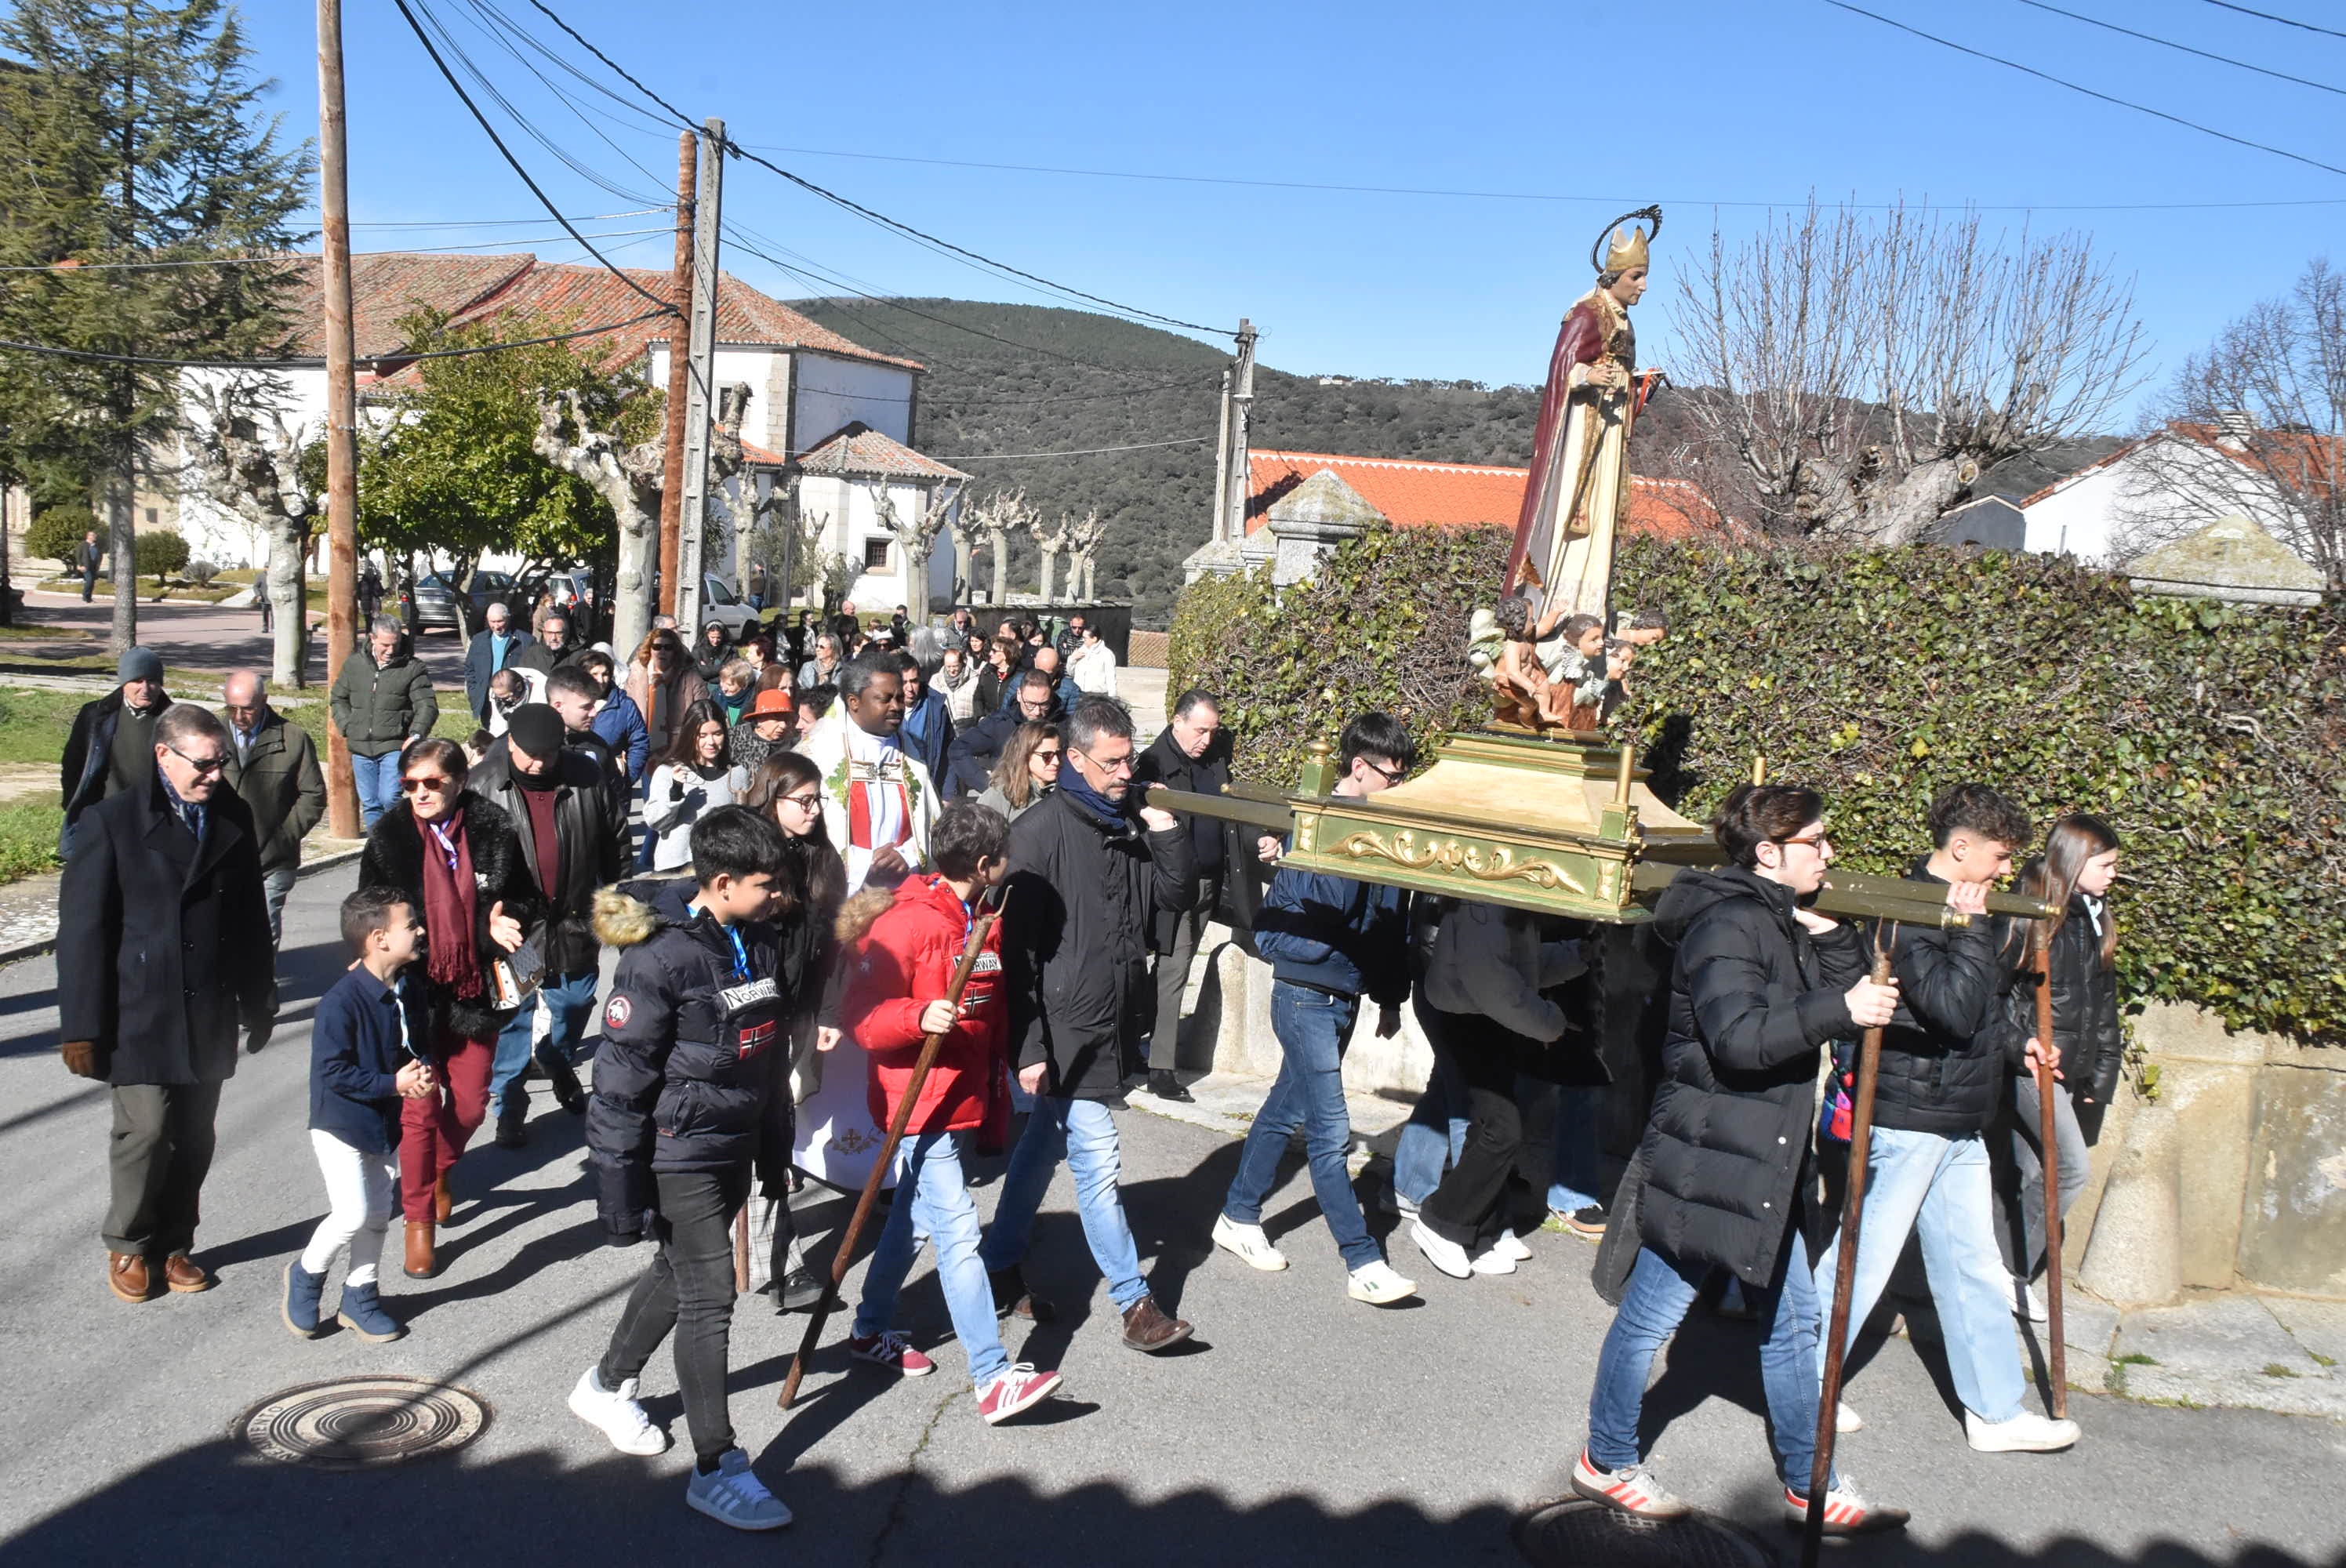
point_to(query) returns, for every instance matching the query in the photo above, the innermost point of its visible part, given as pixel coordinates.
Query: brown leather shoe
(125, 1275)
(422, 1262)
(444, 1202)
(185, 1274)
(1146, 1328)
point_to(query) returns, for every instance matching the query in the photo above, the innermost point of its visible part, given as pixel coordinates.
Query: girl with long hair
(693, 779)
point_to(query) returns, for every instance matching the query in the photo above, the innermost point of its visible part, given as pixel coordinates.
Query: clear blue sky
(1690, 104)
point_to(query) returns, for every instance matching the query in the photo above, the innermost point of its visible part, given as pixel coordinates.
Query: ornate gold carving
(1437, 852)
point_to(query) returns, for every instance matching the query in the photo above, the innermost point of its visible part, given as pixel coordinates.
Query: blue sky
(1689, 104)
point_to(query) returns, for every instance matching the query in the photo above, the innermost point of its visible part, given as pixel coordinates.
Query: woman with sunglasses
(693, 779)
(788, 788)
(456, 859)
(1028, 770)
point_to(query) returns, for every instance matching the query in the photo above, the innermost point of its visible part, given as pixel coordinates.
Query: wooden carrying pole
(931, 1046)
(342, 405)
(1860, 1142)
(2048, 1151)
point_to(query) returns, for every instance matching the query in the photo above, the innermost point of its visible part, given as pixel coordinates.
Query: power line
(2059, 82)
(2284, 21)
(502, 222)
(1528, 195)
(312, 363)
(2186, 48)
(679, 115)
(665, 307)
(1080, 452)
(281, 260)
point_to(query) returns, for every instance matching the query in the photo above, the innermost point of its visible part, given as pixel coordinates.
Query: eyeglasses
(1121, 765)
(1390, 775)
(1814, 840)
(810, 801)
(202, 765)
(436, 783)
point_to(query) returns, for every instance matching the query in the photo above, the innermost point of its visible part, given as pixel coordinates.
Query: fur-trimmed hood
(628, 914)
(857, 914)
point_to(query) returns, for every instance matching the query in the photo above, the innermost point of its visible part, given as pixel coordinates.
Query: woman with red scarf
(454, 858)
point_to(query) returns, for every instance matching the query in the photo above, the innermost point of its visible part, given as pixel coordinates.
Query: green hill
(1025, 378)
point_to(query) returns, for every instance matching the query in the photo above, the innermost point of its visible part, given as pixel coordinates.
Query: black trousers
(157, 1156)
(688, 1289)
(1468, 1208)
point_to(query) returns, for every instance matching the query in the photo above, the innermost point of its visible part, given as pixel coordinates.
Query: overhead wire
(2186, 48)
(281, 260)
(1079, 452)
(2089, 92)
(2268, 17)
(310, 361)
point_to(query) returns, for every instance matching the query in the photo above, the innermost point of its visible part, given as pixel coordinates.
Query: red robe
(1579, 342)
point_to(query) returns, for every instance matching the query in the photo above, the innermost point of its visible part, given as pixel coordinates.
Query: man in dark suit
(497, 646)
(273, 768)
(157, 968)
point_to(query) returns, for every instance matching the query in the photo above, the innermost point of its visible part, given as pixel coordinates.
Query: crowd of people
(788, 838)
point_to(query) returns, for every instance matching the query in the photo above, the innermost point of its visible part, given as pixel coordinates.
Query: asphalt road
(1299, 1426)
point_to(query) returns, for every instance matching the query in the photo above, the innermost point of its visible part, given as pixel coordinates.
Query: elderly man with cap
(156, 969)
(562, 813)
(111, 748)
(272, 766)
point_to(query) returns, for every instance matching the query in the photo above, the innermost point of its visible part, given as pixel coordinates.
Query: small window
(875, 555)
(151, 515)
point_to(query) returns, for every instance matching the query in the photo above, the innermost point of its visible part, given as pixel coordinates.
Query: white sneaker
(1447, 1256)
(1510, 1245)
(732, 1495)
(1495, 1261)
(2026, 1432)
(1847, 1421)
(1248, 1243)
(617, 1414)
(2028, 1302)
(1631, 1489)
(1378, 1285)
(1846, 1512)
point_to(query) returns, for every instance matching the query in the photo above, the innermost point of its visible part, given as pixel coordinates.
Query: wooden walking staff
(1860, 1142)
(931, 1046)
(2048, 1148)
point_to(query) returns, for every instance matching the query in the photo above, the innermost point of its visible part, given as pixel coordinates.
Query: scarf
(1073, 784)
(448, 893)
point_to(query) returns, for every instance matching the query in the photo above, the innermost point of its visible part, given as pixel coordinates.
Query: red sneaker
(1018, 1391)
(889, 1349)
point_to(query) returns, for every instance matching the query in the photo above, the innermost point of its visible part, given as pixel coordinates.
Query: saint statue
(1579, 491)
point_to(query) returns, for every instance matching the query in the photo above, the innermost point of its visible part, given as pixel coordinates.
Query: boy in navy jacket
(363, 1063)
(1328, 940)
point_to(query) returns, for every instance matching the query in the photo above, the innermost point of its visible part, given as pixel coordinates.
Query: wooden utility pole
(700, 394)
(688, 154)
(1241, 410)
(1221, 462)
(342, 405)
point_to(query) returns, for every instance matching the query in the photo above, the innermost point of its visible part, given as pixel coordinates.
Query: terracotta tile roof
(1412, 493)
(759, 457)
(858, 449)
(2300, 460)
(388, 285)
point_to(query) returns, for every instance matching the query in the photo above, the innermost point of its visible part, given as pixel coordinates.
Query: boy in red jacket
(900, 952)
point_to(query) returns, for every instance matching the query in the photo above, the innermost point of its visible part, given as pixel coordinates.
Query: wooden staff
(931, 1047)
(741, 1247)
(1860, 1142)
(2048, 1149)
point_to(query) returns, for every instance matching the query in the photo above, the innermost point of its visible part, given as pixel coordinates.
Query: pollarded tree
(916, 536)
(248, 459)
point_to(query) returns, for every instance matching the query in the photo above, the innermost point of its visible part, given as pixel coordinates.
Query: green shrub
(55, 535)
(161, 552)
(28, 835)
(2213, 737)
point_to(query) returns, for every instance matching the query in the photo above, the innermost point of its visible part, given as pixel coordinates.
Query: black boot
(797, 1291)
(1013, 1300)
(568, 1093)
(513, 1128)
(1164, 1086)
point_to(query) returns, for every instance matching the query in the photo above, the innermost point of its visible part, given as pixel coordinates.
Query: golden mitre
(1625, 253)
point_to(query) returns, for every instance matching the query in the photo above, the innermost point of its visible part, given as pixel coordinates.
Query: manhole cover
(356, 1424)
(1577, 1531)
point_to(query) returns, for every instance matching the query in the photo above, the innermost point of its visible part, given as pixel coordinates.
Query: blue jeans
(570, 1000)
(1312, 1028)
(1421, 1150)
(1578, 1171)
(933, 1202)
(377, 779)
(1083, 1134)
(1660, 1290)
(1941, 1188)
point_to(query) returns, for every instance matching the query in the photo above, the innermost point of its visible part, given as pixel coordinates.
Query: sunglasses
(1390, 775)
(1051, 755)
(436, 783)
(202, 765)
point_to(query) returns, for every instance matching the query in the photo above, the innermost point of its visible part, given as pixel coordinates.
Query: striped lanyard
(740, 954)
(447, 844)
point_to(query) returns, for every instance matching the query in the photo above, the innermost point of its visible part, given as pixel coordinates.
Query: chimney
(2234, 426)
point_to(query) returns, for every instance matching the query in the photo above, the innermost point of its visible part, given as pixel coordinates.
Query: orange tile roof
(2300, 460)
(858, 449)
(1412, 493)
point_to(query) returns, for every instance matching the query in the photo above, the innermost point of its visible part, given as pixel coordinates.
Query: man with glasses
(382, 699)
(272, 766)
(157, 969)
(978, 746)
(1089, 868)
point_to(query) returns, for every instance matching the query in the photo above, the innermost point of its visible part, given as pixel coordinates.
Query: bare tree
(1050, 538)
(916, 536)
(997, 517)
(1868, 366)
(1084, 540)
(2254, 426)
(628, 478)
(248, 459)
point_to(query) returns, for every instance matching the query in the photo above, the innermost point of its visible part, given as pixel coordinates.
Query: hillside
(1024, 378)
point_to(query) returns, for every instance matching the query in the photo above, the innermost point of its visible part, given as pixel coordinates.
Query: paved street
(1299, 1429)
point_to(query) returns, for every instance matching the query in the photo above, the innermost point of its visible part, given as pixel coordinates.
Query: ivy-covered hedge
(2214, 737)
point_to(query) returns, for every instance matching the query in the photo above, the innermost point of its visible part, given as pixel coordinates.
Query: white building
(841, 484)
(2167, 485)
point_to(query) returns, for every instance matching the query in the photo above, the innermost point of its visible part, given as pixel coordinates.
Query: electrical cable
(502, 222)
(293, 260)
(2186, 48)
(2073, 86)
(1079, 451)
(667, 307)
(2284, 21)
(311, 361)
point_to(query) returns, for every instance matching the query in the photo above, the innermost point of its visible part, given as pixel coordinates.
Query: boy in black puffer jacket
(688, 1078)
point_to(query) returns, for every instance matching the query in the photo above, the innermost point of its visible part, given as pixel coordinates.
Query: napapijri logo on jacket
(736, 997)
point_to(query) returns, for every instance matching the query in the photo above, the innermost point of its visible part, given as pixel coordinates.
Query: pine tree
(143, 141)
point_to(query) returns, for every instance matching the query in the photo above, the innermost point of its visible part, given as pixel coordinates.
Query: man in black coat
(157, 966)
(111, 746)
(553, 648)
(977, 746)
(496, 647)
(1089, 868)
(560, 806)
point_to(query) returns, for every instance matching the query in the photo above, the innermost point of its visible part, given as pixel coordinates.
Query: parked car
(433, 603)
(718, 602)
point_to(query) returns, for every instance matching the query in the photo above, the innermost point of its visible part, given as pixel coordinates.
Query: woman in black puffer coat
(1758, 988)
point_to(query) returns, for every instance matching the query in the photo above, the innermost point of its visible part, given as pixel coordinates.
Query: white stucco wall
(2154, 487)
(854, 517)
(761, 424)
(835, 392)
(213, 532)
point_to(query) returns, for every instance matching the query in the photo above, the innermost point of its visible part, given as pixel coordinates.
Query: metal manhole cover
(1575, 1532)
(358, 1423)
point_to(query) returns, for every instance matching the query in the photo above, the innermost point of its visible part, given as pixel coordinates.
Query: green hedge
(2213, 737)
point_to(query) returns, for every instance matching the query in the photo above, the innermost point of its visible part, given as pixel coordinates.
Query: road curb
(25, 950)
